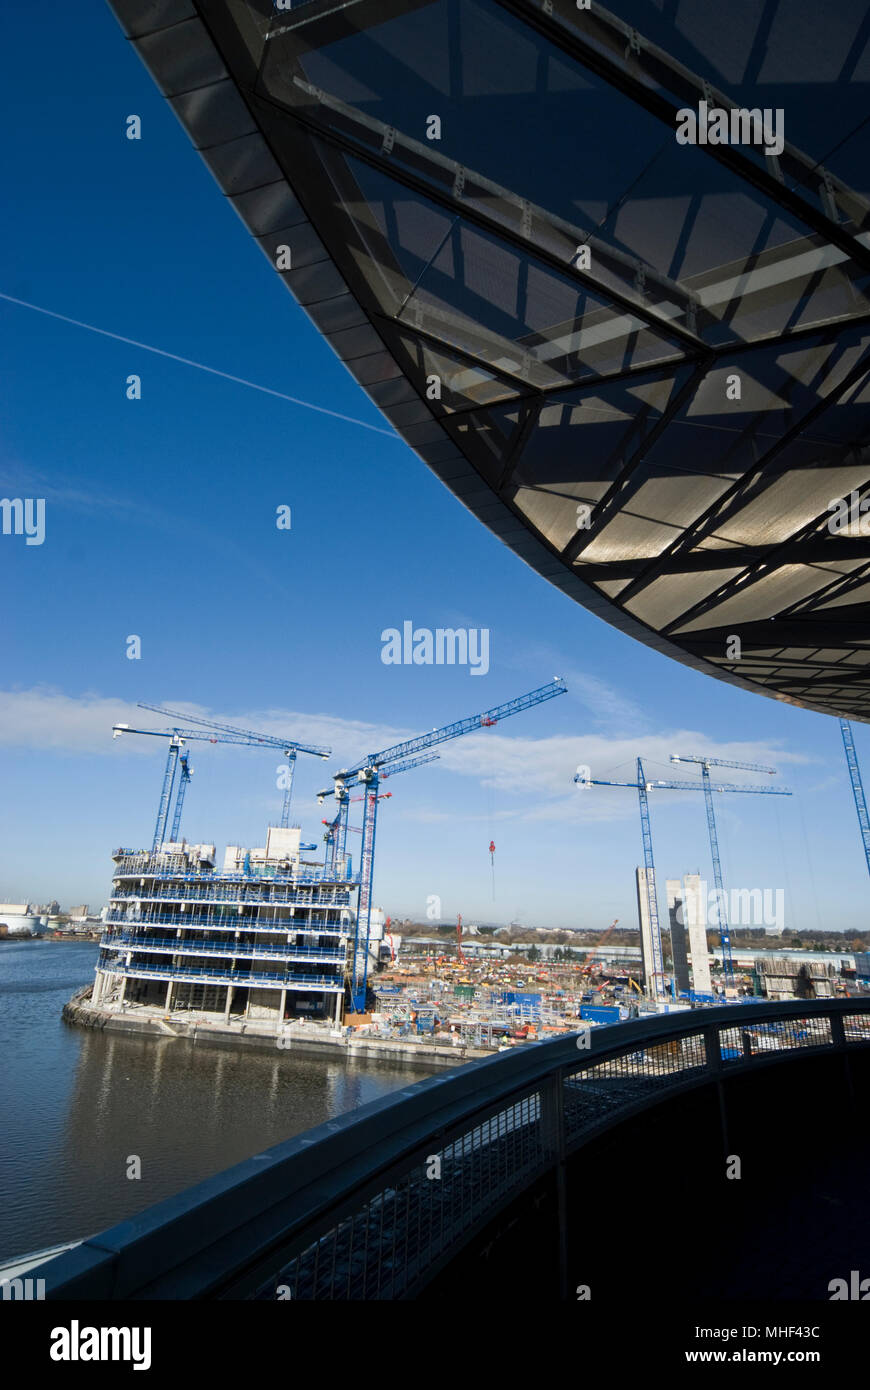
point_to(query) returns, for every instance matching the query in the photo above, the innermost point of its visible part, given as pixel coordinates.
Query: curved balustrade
(349, 1210)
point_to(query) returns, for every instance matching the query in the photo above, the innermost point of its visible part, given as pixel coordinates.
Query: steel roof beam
(321, 22)
(817, 633)
(814, 550)
(602, 43)
(373, 141)
(780, 554)
(735, 497)
(519, 386)
(838, 587)
(850, 677)
(514, 453)
(613, 499)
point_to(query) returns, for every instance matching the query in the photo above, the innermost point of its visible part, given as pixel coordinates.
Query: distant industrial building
(862, 965)
(20, 919)
(783, 978)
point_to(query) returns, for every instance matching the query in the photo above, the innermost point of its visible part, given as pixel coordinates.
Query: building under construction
(266, 937)
(269, 936)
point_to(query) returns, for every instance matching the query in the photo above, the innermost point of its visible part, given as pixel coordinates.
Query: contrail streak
(201, 366)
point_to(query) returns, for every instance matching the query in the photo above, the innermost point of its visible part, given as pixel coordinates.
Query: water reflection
(77, 1104)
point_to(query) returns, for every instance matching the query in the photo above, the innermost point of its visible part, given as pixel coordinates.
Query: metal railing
(173, 945)
(294, 926)
(372, 1204)
(205, 975)
(172, 866)
(198, 894)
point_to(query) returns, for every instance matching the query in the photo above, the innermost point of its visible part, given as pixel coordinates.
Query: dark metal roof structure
(581, 287)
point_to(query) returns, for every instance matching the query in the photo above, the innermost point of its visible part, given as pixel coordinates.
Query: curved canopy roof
(643, 364)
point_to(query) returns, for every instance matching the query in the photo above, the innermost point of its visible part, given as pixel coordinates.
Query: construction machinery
(705, 764)
(177, 738)
(337, 829)
(857, 787)
(643, 786)
(289, 747)
(185, 772)
(369, 771)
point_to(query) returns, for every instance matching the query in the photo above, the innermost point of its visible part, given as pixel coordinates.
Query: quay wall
(302, 1039)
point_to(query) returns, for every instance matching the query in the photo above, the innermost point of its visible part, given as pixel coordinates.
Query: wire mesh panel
(856, 1028)
(757, 1039)
(599, 1089)
(379, 1251)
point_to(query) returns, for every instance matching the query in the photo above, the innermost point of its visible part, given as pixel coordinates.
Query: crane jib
(462, 726)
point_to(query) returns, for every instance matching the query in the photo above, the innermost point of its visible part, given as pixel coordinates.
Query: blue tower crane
(177, 737)
(643, 787)
(289, 747)
(369, 771)
(185, 774)
(166, 791)
(652, 897)
(335, 835)
(857, 786)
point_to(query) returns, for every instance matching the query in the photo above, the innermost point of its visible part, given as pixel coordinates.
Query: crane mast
(166, 792)
(721, 899)
(369, 771)
(652, 897)
(857, 786)
(184, 777)
(708, 787)
(231, 734)
(721, 908)
(177, 738)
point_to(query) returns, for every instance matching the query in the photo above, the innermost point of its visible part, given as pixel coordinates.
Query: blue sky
(161, 523)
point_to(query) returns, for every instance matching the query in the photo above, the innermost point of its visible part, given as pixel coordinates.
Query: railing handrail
(151, 866)
(297, 1190)
(231, 922)
(335, 981)
(173, 945)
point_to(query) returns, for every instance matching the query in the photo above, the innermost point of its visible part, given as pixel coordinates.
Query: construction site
(281, 944)
(270, 942)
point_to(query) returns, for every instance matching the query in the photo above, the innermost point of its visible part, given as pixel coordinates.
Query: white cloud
(533, 776)
(44, 717)
(608, 706)
(542, 770)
